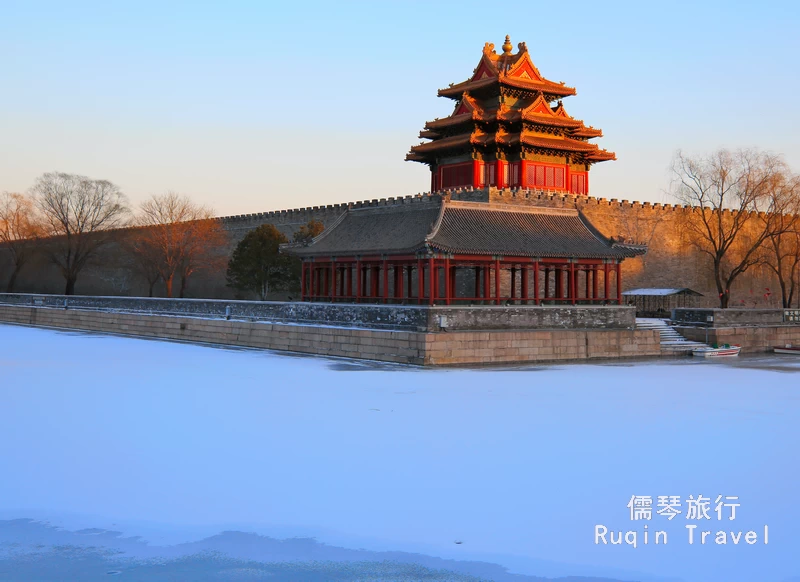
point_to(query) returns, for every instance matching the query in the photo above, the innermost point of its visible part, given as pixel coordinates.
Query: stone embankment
(406, 334)
(756, 330)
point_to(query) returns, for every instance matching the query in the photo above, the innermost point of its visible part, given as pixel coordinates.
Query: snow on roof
(657, 292)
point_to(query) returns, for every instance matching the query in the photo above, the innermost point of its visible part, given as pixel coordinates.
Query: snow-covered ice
(178, 442)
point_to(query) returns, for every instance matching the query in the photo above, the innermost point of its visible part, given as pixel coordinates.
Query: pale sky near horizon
(254, 106)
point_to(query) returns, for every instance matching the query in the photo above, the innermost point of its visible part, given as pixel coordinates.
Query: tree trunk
(150, 289)
(786, 300)
(12, 281)
(183, 286)
(70, 288)
(168, 284)
(723, 296)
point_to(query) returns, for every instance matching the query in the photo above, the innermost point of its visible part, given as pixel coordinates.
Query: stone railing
(736, 317)
(362, 315)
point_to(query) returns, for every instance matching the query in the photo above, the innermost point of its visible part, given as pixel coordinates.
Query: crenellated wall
(671, 261)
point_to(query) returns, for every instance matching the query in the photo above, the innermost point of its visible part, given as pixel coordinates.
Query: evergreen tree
(257, 265)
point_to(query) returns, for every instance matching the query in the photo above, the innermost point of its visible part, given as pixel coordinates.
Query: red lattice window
(549, 177)
(457, 175)
(578, 184)
(490, 174)
(559, 178)
(530, 175)
(514, 174)
(539, 176)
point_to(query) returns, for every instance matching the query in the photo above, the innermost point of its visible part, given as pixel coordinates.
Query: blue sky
(252, 106)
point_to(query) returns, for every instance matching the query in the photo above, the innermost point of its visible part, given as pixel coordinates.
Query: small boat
(717, 352)
(787, 349)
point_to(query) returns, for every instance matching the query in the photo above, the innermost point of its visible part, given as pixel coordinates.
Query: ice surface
(178, 442)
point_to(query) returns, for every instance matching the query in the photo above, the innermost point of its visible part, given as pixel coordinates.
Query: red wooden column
(350, 280)
(477, 282)
(513, 282)
(536, 283)
(364, 276)
(487, 282)
(385, 270)
(497, 281)
(546, 283)
(409, 271)
(588, 274)
(595, 273)
(573, 283)
(398, 282)
(448, 282)
(619, 283)
(375, 282)
(525, 284)
(420, 281)
(453, 287)
(523, 174)
(433, 280)
(357, 275)
(606, 286)
(559, 282)
(500, 174)
(327, 271)
(477, 179)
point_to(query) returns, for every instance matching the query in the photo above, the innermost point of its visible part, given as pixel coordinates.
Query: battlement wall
(671, 261)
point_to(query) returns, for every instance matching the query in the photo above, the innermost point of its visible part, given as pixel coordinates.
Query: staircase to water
(672, 342)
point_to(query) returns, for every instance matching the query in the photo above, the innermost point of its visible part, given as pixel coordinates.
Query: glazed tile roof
(471, 228)
(476, 228)
(478, 114)
(544, 86)
(394, 229)
(443, 143)
(557, 143)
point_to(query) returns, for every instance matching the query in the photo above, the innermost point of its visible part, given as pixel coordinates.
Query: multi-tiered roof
(508, 112)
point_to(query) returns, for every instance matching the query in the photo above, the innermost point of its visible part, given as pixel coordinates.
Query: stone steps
(671, 341)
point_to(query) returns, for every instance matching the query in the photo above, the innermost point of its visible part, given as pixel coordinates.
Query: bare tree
(736, 209)
(78, 213)
(145, 258)
(782, 255)
(176, 238)
(20, 229)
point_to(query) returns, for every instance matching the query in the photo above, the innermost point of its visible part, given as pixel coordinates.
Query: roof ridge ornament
(507, 46)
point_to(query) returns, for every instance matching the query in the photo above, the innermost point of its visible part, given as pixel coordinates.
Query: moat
(512, 466)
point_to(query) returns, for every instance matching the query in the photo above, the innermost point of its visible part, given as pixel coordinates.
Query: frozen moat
(458, 474)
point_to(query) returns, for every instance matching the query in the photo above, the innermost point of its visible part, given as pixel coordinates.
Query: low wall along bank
(756, 330)
(427, 344)
(365, 315)
(732, 317)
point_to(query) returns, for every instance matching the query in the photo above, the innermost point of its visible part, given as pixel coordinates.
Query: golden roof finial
(507, 46)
